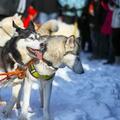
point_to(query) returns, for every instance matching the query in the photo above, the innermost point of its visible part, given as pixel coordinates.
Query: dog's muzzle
(77, 67)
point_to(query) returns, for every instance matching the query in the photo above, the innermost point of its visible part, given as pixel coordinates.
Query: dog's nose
(42, 47)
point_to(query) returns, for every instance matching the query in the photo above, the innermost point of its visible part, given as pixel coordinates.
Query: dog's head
(59, 50)
(28, 36)
(24, 39)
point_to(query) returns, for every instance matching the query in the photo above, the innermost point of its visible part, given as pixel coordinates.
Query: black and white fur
(9, 53)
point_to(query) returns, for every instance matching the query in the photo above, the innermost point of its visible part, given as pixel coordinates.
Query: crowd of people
(97, 20)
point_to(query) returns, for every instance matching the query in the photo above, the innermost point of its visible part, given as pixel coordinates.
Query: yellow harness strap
(35, 74)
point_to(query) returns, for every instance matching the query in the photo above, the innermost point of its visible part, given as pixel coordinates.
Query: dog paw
(23, 117)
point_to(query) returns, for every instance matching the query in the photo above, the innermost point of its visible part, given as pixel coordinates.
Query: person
(97, 16)
(21, 7)
(29, 10)
(116, 29)
(71, 9)
(84, 27)
(49, 9)
(8, 8)
(106, 31)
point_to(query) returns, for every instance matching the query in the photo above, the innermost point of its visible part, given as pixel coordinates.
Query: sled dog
(11, 58)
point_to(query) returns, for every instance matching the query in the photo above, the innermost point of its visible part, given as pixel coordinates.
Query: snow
(94, 95)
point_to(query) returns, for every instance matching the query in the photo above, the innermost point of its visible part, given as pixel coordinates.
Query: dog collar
(35, 74)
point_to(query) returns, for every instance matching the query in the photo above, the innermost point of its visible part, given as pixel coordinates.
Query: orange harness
(19, 72)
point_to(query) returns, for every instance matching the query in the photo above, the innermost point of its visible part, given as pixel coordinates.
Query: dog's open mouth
(35, 53)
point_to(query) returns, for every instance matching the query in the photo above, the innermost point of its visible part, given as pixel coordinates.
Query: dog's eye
(32, 37)
(37, 36)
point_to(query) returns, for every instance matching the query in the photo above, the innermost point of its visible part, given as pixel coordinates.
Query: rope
(19, 72)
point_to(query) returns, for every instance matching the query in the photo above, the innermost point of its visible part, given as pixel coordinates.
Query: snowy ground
(94, 95)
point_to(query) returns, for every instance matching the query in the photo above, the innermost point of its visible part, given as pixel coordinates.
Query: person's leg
(97, 39)
(114, 40)
(111, 56)
(116, 44)
(93, 41)
(117, 58)
(118, 39)
(104, 46)
(81, 26)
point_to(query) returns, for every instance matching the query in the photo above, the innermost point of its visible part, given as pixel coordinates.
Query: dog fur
(66, 29)
(57, 27)
(48, 28)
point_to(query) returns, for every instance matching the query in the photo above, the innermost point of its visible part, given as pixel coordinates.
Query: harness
(21, 72)
(35, 74)
(18, 72)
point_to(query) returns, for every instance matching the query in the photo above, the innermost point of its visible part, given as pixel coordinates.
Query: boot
(117, 60)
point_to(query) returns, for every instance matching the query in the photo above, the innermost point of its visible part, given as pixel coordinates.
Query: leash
(18, 72)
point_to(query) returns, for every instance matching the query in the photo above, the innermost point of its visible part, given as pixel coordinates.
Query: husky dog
(58, 51)
(6, 28)
(11, 56)
(9, 50)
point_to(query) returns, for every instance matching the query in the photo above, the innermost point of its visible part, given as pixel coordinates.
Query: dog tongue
(39, 55)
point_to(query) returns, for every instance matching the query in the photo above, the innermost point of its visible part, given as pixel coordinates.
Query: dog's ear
(18, 29)
(14, 25)
(31, 26)
(70, 41)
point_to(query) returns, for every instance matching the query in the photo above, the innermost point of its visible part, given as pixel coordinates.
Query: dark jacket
(8, 7)
(48, 6)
